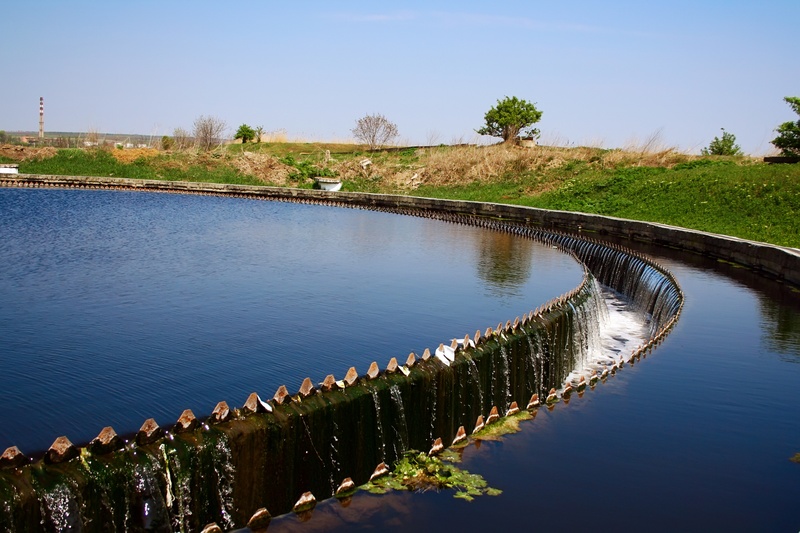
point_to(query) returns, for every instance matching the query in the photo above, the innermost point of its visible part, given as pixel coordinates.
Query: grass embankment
(754, 201)
(732, 196)
(149, 165)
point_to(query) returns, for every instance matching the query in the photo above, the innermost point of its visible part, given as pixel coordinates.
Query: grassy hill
(738, 196)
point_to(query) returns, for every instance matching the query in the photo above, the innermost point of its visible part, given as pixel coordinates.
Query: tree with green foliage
(788, 139)
(245, 133)
(259, 133)
(510, 119)
(724, 146)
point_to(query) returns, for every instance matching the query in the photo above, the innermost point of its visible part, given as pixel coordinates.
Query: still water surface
(121, 306)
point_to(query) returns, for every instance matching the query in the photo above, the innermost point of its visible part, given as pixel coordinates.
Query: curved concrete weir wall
(268, 453)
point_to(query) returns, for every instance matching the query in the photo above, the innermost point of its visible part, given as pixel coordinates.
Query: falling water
(475, 379)
(60, 509)
(150, 502)
(400, 426)
(225, 474)
(336, 467)
(378, 424)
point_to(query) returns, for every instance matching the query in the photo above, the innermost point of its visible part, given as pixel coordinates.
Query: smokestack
(41, 117)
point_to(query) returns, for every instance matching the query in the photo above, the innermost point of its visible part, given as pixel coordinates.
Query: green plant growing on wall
(510, 119)
(723, 146)
(417, 471)
(788, 139)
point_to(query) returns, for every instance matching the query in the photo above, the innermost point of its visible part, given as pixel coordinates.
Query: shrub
(245, 133)
(788, 139)
(724, 146)
(208, 132)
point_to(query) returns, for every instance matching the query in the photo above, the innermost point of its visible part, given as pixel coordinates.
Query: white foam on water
(621, 330)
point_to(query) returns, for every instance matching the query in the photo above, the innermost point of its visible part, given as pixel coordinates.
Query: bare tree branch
(208, 132)
(374, 131)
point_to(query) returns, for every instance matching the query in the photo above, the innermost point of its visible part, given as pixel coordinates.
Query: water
(121, 306)
(695, 437)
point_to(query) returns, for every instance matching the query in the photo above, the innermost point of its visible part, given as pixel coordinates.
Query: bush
(245, 133)
(724, 146)
(788, 139)
(306, 169)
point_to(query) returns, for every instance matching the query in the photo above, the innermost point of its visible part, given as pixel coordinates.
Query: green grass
(756, 201)
(296, 150)
(78, 162)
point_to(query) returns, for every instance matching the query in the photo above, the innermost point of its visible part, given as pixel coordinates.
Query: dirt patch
(26, 153)
(266, 168)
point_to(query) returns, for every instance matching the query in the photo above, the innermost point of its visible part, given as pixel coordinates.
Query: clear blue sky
(603, 73)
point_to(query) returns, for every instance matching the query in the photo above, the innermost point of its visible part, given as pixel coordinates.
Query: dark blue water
(696, 437)
(120, 306)
(170, 302)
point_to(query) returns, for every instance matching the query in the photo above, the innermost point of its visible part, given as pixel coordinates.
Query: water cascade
(267, 454)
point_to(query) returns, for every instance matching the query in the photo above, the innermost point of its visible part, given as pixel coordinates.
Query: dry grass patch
(266, 168)
(460, 165)
(27, 153)
(132, 154)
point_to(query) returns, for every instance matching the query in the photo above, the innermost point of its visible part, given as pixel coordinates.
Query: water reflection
(504, 262)
(780, 325)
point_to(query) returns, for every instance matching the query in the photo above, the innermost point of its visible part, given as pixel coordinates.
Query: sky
(612, 74)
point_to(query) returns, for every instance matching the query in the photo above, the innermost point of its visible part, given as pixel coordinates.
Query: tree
(245, 133)
(724, 146)
(374, 130)
(208, 132)
(259, 133)
(788, 139)
(511, 118)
